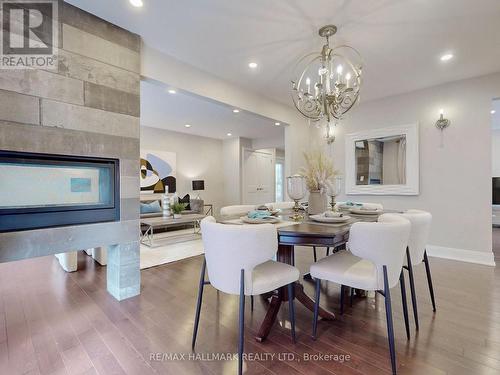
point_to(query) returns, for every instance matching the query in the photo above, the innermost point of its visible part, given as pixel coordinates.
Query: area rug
(171, 247)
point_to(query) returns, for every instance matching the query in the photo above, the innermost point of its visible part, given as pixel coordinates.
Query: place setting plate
(269, 220)
(321, 218)
(361, 211)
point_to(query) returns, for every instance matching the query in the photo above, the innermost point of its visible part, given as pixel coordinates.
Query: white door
(251, 180)
(258, 178)
(266, 177)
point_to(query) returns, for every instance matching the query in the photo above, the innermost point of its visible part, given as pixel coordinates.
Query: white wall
(455, 170)
(276, 142)
(198, 158)
(231, 169)
(495, 154)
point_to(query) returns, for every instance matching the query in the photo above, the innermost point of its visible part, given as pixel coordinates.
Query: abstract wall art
(158, 174)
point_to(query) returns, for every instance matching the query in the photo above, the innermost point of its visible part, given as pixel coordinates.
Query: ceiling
(207, 118)
(401, 41)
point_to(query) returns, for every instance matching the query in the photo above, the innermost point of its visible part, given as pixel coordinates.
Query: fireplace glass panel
(44, 190)
(45, 185)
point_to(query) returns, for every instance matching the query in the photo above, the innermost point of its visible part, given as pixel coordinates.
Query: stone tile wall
(89, 107)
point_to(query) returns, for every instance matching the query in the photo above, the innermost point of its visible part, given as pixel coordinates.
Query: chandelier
(328, 83)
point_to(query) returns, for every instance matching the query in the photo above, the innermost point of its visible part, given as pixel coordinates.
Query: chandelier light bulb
(348, 76)
(441, 111)
(136, 3)
(340, 68)
(447, 57)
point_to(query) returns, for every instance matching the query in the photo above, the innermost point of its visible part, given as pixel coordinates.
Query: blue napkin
(352, 204)
(259, 214)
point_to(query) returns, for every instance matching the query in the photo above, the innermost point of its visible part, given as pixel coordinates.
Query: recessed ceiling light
(236, 110)
(446, 57)
(172, 91)
(187, 125)
(136, 3)
(277, 123)
(229, 134)
(493, 111)
(252, 65)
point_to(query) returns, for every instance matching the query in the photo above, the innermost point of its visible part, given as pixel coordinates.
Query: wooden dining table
(310, 234)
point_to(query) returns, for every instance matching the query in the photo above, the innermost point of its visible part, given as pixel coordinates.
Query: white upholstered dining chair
(374, 263)
(416, 253)
(236, 210)
(370, 206)
(238, 259)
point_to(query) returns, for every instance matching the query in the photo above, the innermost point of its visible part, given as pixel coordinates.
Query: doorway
(258, 177)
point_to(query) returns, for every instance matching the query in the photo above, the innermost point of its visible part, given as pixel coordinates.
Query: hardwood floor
(52, 322)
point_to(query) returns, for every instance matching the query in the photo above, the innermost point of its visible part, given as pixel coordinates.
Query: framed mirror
(383, 161)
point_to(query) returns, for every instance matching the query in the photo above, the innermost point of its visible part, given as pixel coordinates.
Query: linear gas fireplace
(45, 190)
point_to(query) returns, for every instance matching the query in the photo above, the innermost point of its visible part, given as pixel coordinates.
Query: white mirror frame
(412, 186)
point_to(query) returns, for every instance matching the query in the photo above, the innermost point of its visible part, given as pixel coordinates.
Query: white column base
(100, 255)
(68, 261)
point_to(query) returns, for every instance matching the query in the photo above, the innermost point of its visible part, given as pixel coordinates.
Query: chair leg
(316, 308)
(405, 304)
(351, 297)
(291, 308)
(429, 280)
(251, 303)
(198, 304)
(390, 327)
(241, 323)
(315, 256)
(412, 288)
(327, 251)
(342, 292)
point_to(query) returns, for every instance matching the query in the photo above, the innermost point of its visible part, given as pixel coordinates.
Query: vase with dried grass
(319, 174)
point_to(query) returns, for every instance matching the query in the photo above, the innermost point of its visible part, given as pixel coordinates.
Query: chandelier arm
(306, 114)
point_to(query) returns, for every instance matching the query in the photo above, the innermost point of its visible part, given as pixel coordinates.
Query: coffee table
(165, 222)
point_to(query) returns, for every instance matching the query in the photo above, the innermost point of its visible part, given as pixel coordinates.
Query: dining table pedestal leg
(270, 318)
(285, 255)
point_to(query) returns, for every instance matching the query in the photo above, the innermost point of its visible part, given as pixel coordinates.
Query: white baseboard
(462, 255)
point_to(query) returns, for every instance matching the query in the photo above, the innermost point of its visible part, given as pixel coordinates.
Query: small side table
(210, 209)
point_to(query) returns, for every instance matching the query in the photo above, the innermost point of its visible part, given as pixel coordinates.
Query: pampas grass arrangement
(318, 172)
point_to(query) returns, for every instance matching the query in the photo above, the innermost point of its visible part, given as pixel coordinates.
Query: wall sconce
(442, 123)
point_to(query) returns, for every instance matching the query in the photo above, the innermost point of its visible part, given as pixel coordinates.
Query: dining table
(310, 234)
